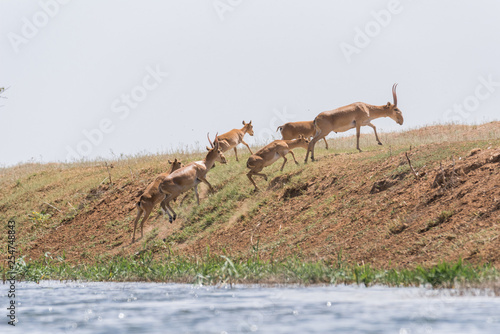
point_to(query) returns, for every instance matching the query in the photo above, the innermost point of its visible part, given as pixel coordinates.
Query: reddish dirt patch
(95, 231)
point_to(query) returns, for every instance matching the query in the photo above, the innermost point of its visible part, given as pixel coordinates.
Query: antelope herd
(168, 186)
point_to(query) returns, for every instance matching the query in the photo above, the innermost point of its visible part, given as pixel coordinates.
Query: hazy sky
(90, 77)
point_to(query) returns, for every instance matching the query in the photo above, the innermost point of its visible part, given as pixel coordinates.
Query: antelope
(234, 137)
(151, 197)
(292, 130)
(352, 116)
(267, 155)
(190, 176)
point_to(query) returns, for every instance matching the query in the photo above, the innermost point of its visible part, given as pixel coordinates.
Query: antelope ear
(250, 122)
(244, 123)
(216, 141)
(208, 148)
(388, 105)
(170, 162)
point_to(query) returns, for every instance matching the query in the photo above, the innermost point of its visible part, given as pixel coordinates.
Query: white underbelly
(345, 127)
(273, 160)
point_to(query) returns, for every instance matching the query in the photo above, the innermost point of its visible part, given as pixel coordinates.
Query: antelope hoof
(296, 162)
(265, 177)
(379, 143)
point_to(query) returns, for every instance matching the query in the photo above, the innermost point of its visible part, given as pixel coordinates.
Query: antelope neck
(208, 162)
(293, 143)
(378, 111)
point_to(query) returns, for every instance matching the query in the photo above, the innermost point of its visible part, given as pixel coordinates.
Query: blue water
(55, 307)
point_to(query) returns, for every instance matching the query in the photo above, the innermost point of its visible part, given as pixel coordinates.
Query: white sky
(251, 60)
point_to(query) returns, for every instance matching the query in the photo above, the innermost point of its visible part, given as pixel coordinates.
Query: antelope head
(219, 156)
(176, 164)
(393, 111)
(248, 128)
(302, 141)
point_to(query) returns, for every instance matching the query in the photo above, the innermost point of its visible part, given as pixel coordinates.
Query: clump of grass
(448, 274)
(39, 219)
(398, 228)
(443, 217)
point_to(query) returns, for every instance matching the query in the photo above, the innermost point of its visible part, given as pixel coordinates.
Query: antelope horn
(394, 94)
(208, 137)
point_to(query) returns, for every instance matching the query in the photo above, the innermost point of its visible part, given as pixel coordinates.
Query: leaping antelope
(189, 177)
(234, 137)
(292, 130)
(151, 197)
(272, 152)
(353, 116)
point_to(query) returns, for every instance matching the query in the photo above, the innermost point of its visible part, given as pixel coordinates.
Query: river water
(73, 307)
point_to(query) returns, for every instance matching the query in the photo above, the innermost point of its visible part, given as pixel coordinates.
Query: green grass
(210, 269)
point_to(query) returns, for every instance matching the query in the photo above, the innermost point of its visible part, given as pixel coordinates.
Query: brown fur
(353, 116)
(292, 130)
(231, 139)
(151, 197)
(189, 177)
(267, 155)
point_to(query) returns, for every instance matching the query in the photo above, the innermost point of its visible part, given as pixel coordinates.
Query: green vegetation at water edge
(212, 269)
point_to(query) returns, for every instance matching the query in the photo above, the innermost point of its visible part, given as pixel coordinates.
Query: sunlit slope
(362, 207)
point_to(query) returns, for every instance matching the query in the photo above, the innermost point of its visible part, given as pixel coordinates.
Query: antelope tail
(139, 202)
(280, 128)
(316, 127)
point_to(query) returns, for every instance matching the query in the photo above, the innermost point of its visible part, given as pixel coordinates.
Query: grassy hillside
(359, 207)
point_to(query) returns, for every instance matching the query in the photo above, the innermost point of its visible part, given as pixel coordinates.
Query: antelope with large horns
(292, 130)
(231, 139)
(151, 197)
(270, 153)
(352, 116)
(190, 176)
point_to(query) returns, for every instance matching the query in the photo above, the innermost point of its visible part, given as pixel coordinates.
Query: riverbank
(216, 269)
(364, 208)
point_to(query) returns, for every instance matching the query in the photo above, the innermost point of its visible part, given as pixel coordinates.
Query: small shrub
(39, 219)
(442, 218)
